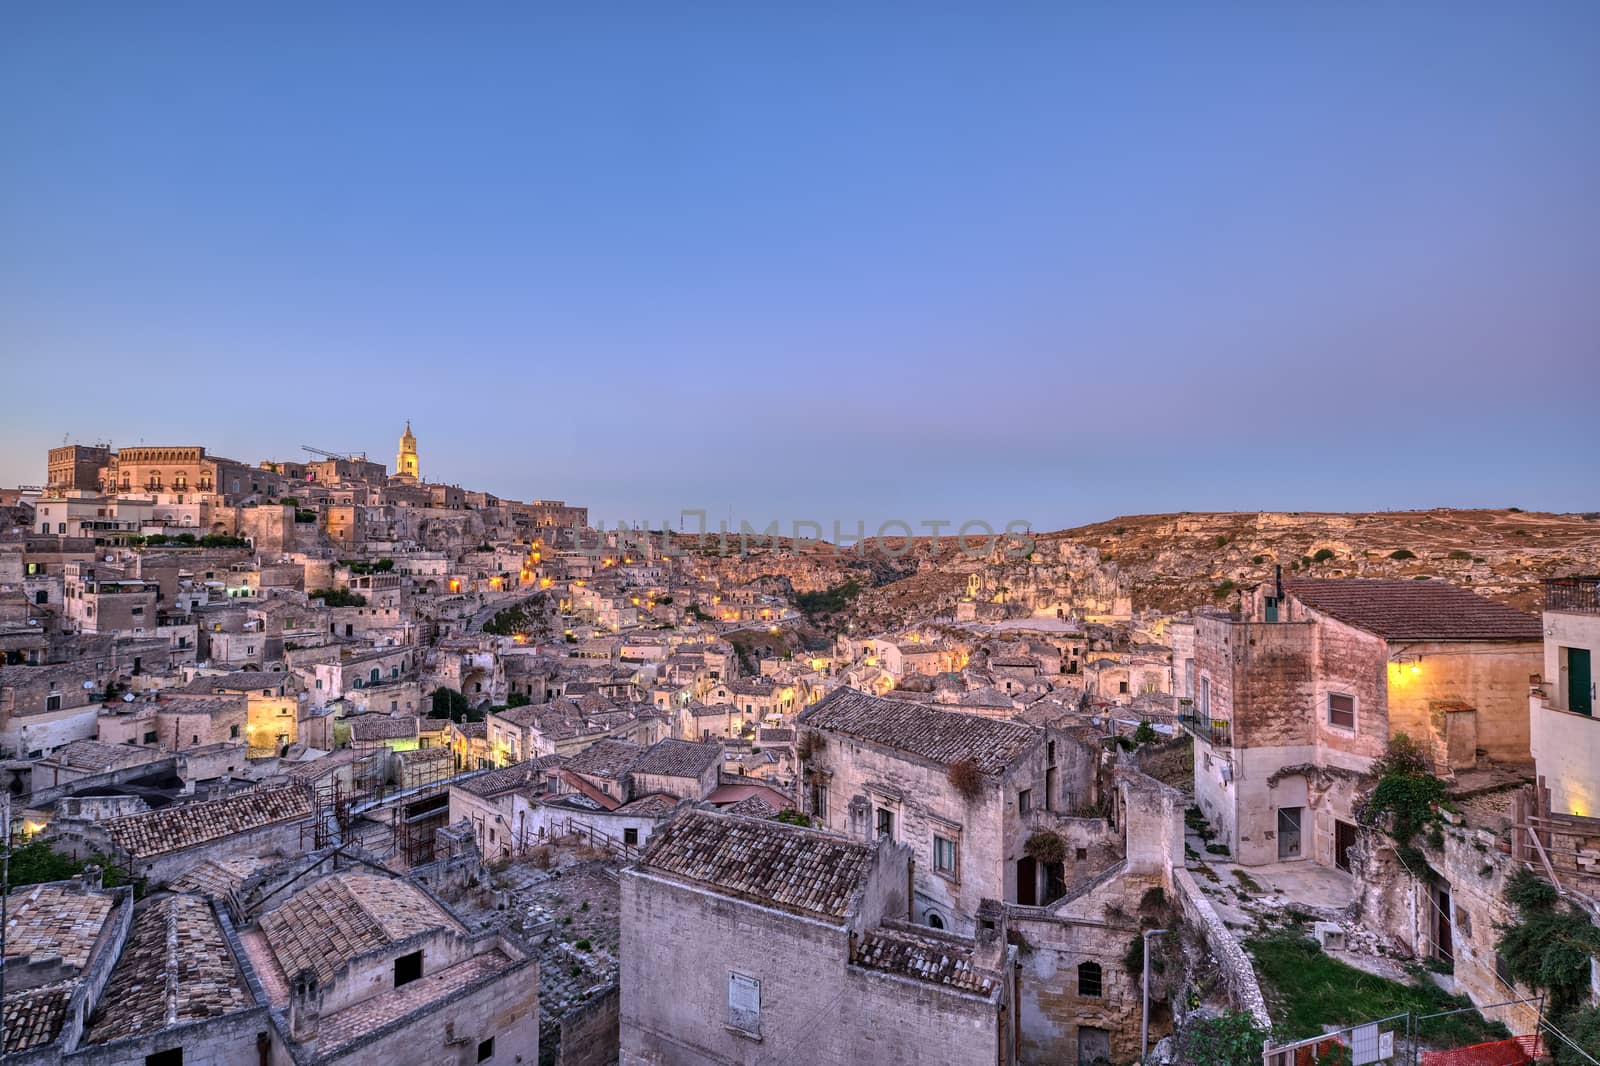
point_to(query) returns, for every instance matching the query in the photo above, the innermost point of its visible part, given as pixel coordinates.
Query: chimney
(989, 951)
(91, 879)
(305, 1008)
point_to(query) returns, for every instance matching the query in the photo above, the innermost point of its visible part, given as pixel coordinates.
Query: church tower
(405, 464)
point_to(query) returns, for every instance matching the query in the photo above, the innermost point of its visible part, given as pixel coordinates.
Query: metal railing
(1217, 732)
(1580, 594)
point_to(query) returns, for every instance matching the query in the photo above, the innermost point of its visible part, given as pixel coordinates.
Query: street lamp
(1144, 1019)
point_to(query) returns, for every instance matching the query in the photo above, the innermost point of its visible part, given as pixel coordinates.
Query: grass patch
(1247, 882)
(1307, 989)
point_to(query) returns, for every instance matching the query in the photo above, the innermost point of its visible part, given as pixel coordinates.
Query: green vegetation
(1402, 554)
(792, 817)
(1550, 945)
(1230, 1039)
(189, 540)
(1258, 559)
(833, 600)
(1225, 588)
(697, 614)
(1218, 849)
(339, 597)
(519, 618)
(1307, 989)
(1145, 734)
(1459, 556)
(1582, 1027)
(1222, 540)
(1322, 555)
(34, 863)
(1046, 847)
(304, 516)
(448, 703)
(382, 566)
(518, 699)
(1248, 883)
(1407, 794)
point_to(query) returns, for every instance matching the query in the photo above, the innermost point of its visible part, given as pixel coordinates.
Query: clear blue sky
(1053, 262)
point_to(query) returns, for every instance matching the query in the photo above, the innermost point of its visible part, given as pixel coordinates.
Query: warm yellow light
(1416, 669)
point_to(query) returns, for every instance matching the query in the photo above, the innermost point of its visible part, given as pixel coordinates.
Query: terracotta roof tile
(677, 758)
(323, 926)
(764, 862)
(942, 737)
(1414, 610)
(192, 824)
(936, 959)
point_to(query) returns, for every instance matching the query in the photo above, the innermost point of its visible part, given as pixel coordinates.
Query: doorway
(1028, 881)
(1580, 680)
(1289, 832)
(1444, 938)
(1094, 1046)
(1344, 838)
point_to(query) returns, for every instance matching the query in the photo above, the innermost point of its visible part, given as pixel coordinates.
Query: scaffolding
(1397, 1041)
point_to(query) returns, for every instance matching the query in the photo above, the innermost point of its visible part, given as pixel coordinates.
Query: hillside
(1168, 562)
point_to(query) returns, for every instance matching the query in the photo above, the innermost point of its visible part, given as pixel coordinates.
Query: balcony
(1579, 595)
(1218, 732)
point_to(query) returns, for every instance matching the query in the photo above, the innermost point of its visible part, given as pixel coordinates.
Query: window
(1025, 801)
(1122, 686)
(944, 855)
(52, 703)
(630, 837)
(233, 732)
(1081, 855)
(1341, 711)
(744, 1003)
(486, 1049)
(1089, 982)
(819, 802)
(885, 823)
(170, 1057)
(934, 921)
(150, 736)
(1205, 698)
(408, 968)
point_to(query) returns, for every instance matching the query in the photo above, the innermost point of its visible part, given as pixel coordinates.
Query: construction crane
(362, 456)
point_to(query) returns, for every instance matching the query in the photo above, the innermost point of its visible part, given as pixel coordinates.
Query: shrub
(792, 817)
(339, 598)
(1550, 944)
(582, 945)
(1046, 846)
(1221, 541)
(1145, 734)
(1322, 555)
(1407, 792)
(810, 744)
(1460, 556)
(1402, 553)
(1223, 589)
(966, 778)
(1230, 1039)
(1582, 1027)
(1258, 559)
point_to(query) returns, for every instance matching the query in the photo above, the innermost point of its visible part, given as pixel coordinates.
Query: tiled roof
(678, 758)
(764, 862)
(605, 758)
(34, 1016)
(1414, 610)
(335, 919)
(651, 806)
(175, 968)
(383, 727)
(935, 959)
(943, 737)
(192, 824)
(54, 921)
(216, 877)
(355, 1023)
(93, 755)
(752, 807)
(507, 778)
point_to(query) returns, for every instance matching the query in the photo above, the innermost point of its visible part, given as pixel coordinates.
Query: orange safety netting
(1513, 1052)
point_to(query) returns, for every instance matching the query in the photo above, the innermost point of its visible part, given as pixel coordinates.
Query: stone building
(1295, 700)
(1566, 732)
(748, 941)
(956, 788)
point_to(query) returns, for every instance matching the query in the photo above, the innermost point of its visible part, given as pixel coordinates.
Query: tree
(35, 863)
(448, 703)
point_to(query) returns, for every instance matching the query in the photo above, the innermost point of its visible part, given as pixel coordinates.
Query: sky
(831, 262)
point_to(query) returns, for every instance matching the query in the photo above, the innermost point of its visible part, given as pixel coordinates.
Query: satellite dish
(88, 686)
(127, 697)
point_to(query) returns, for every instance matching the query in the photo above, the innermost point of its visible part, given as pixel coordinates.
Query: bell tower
(405, 463)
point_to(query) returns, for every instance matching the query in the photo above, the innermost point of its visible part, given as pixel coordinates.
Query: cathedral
(405, 463)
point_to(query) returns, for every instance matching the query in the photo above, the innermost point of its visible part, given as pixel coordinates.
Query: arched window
(1089, 983)
(373, 679)
(934, 921)
(180, 480)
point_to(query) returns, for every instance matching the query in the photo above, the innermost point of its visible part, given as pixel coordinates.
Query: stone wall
(1238, 975)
